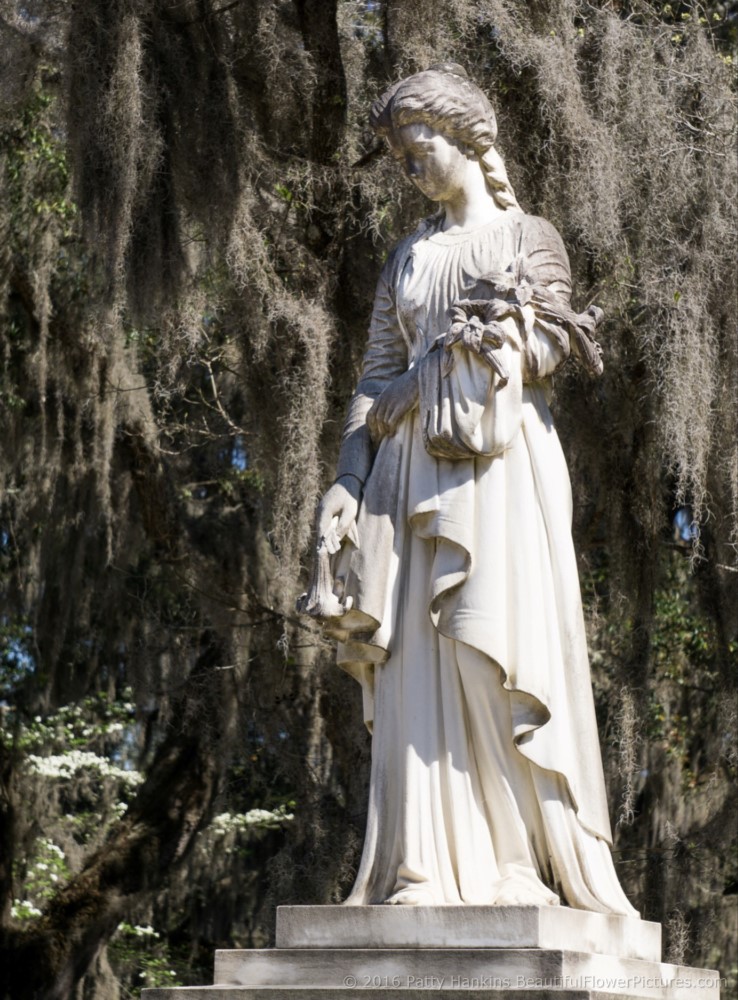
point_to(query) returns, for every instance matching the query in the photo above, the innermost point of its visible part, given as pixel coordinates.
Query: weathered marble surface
(457, 602)
(467, 927)
(488, 953)
(440, 969)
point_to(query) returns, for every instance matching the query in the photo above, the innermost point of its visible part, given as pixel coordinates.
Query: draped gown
(466, 630)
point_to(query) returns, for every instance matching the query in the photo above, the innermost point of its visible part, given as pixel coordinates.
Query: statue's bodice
(441, 268)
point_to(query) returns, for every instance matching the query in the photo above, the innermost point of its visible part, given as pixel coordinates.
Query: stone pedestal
(455, 953)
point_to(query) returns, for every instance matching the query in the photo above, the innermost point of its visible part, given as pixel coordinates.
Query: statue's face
(436, 165)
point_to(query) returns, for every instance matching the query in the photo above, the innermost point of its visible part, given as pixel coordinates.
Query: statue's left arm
(559, 330)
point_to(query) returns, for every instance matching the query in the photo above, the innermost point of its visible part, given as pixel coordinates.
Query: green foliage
(41, 876)
(94, 723)
(36, 167)
(142, 960)
(686, 685)
(79, 762)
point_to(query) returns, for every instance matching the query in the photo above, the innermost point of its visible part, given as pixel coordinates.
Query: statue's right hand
(337, 512)
(388, 409)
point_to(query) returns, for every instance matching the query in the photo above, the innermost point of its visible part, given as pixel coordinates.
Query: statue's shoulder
(537, 233)
(400, 251)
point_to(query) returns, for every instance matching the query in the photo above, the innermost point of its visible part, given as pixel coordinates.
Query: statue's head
(446, 101)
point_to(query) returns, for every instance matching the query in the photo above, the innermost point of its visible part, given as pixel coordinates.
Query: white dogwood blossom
(67, 765)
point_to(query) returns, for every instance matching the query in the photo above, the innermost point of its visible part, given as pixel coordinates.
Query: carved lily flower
(523, 293)
(511, 289)
(514, 293)
(475, 323)
(468, 330)
(474, 329)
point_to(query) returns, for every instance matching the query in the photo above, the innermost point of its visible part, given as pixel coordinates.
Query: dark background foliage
(188, 261)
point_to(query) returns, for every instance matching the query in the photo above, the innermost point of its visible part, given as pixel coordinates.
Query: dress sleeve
(548, 261)
(385, 358)
(558, 330)
(547, 265)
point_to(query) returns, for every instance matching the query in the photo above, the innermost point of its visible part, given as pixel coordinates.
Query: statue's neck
(472, 205)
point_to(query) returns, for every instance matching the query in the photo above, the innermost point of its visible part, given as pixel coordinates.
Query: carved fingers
(391, 406)
(336, 516)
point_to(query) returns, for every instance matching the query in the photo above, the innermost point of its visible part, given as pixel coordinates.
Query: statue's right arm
(385, 358)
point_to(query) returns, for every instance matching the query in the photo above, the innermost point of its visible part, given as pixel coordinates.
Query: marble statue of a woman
(457, 602)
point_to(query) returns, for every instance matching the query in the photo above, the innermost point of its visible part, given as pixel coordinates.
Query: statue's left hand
(388, 409)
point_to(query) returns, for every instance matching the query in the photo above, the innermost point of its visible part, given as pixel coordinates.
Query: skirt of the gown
(456, 813)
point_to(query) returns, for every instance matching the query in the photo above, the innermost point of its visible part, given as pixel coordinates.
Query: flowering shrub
(46, 871)
(69, 764)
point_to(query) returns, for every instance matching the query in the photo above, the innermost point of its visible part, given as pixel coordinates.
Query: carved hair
(444, 98)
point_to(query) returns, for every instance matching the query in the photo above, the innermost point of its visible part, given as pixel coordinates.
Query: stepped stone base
(456, 953)
(466, 927)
